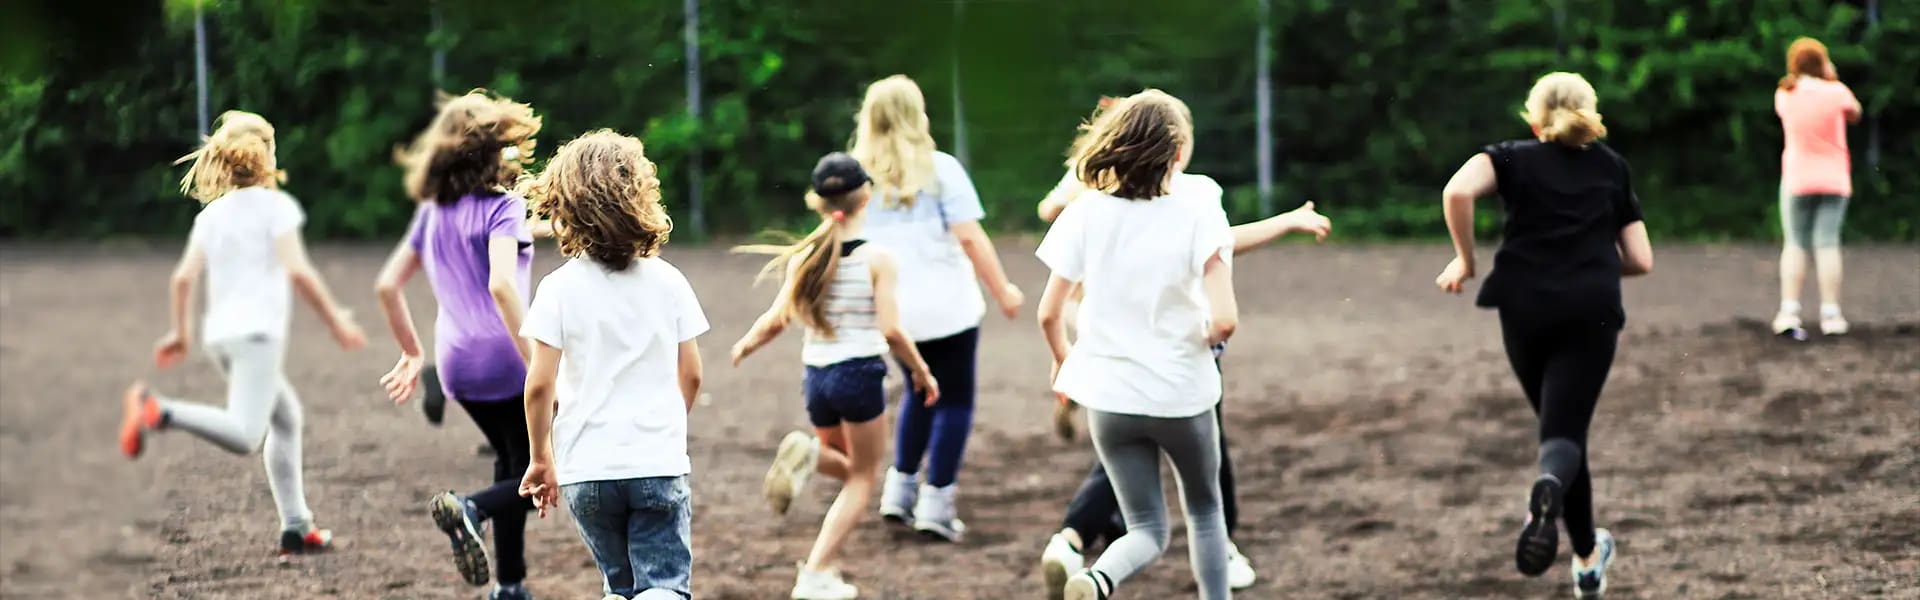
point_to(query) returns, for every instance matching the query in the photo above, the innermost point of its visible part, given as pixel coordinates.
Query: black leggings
(504, 422)
(1094, 512)
(1562, 365)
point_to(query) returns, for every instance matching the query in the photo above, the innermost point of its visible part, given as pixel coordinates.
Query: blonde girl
(472, 238)
(1572, 230)
(246, 241)
(927, 213)
(1816, 181)
(842, 290)
(1155, 261)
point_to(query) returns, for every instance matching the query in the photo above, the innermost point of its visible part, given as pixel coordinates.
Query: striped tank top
(849, 308)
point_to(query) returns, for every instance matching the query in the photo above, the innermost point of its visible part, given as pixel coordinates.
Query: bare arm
(503, 261)
(186, 275)
(691, 372)
(541, 483)
(885, 273)
(771, 323)
(1636, 252)
(1217, 283)
(293, 256)
(986, 265)
(1057, 199)
(1053, 317)
(391, 286)
(1476, 178)
(1248, 237)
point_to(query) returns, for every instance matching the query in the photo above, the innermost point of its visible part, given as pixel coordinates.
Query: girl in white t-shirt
(246, 241)
(927, 213)
(1155, 263)
(842, 290)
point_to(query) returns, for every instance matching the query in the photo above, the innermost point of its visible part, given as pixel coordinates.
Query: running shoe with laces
(1834, 324)
(140, 413)
(936, 514)
(793, 465)
(898, 493)
(1591, 583)
(1788, 325)
(1240, 573)
(822, 585)
(460, 520)
(312, 541)
(1540, 538)
(1059, 561)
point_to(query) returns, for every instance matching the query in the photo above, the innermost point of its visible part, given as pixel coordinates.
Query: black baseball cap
(837, 174)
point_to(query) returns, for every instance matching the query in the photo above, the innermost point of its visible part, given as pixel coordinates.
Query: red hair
(1806, 57)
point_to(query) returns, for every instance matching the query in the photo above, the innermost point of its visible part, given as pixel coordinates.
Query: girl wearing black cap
(842, 291)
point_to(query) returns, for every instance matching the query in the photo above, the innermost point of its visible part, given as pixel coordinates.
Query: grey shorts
(1813, 220)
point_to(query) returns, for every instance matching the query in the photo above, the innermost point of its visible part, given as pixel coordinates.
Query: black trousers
(504, 423)
(1562, 363)
(1094, 512)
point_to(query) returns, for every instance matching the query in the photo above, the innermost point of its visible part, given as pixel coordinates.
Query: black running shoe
(312, 541)
(458, 519)
(1540, 537)
(433, 400)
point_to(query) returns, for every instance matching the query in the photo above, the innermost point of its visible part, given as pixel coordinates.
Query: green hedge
(1374, 106)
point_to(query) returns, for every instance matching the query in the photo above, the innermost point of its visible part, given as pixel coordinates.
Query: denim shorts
(850, 391)
(640, 532)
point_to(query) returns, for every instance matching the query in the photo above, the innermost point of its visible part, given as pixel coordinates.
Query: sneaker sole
(132, 429)
(940, 532)
(788, 462)
(1539, 541)
(897, 517)
(1080, 588)
(1055, 575)
(469, 553)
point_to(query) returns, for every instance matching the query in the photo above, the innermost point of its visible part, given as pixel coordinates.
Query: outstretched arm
(770, 323)
(293, 256)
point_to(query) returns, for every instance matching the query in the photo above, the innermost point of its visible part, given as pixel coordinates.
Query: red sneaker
(315, 540)
(140, 413)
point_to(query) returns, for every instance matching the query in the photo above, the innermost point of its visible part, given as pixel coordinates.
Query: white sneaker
(1058, 562)
(1788, 324)
(897, 497)
(1084, 586)
(1833, 324)
(793, 464)
(1240, 573)
(822, 585)
(934, 515)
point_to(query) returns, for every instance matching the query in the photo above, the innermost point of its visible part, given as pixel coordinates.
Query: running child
(471, 238)
(1572, 230)
(1094, 512)
(615, 353)
(842, 290)
(1816, 182)
(1155, 263)
(928, 214)
(246, 241)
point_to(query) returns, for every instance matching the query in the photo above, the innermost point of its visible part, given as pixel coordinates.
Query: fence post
(200, 65)
(959, 108)
(691, 35)
(1873, 123)
(1263, 107)
(439, 49)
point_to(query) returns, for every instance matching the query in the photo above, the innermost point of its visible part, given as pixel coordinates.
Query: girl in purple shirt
(473, 241)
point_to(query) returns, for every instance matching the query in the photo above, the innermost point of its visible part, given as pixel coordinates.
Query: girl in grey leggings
(1130, 447)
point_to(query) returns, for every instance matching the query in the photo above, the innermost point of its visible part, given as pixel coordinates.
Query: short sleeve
(1847, 100)
(509, 219)
(543, 322)
(1501, 155)
(959, 202)
(1212, 236)
(691, 321)
(287, 216)
(1626, 207)
(1064, 248)
(417, 229)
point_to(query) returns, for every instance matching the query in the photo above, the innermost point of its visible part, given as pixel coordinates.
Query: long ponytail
(819, 257)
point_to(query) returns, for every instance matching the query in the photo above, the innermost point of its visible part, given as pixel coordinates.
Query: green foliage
(1373, 109)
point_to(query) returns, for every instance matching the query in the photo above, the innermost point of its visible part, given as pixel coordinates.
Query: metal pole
(959, 109)
(1873, 124)
(1263, 107)
(691, 35)
(1560, 28)
(439, 49)
(200, 66)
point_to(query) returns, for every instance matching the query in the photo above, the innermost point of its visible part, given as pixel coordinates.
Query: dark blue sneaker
(1592, 583)
(1540, 537)
(458, 518)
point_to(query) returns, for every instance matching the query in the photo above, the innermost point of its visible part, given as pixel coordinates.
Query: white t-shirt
(248, 292)
(1142, 327)
(938, 294)
(621, 412)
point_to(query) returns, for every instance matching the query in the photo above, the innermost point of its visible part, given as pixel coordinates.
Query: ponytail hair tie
(838, 215)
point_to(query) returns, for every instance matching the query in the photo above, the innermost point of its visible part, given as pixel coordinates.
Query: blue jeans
(639, 530)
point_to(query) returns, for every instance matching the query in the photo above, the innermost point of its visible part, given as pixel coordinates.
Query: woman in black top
(1572, 230)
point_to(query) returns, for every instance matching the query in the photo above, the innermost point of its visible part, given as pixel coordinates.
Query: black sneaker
(1540, 537)
(433, 400)
(461, 522)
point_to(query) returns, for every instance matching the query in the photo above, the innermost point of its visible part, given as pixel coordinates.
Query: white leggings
(260, 404)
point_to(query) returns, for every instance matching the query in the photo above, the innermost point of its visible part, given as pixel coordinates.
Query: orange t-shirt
(1814, 117)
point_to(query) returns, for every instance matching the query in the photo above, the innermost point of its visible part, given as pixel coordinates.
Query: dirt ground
(1382, 445)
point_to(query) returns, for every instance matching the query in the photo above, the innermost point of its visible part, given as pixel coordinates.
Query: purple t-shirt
(477, 358)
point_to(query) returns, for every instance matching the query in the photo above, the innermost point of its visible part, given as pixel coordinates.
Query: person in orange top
(1815, 181)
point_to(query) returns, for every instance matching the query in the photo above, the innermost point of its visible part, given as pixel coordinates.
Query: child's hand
(170, 350)
(740, 351)
(1454, 278)
(347, 333)
(1010, 299)
(1053, 378)
(541, 486)
(1305, 220)
(403, 378)
(928, 386)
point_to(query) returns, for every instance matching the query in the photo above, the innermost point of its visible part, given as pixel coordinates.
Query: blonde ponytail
(893, 140)
(819, 256)
(1573, 127)
(238, 154)
(1562, 107)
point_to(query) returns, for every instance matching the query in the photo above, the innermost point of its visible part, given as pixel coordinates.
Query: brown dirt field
(1383, 447)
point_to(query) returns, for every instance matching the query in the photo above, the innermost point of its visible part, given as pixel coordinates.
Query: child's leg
(504, 423)
(1090, 514)
(953, 365)
(1132, 460)
(1575, 376)
(1193, 445)
(866, 444)
(252, 367)
(1229, 497)
(832, 461)
(1829, 214)
(599, 510)
(913, 427)
(660, 534)
(1796, 227)
(283, 460)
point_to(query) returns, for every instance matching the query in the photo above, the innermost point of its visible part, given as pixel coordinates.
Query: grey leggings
(1812, 221)
(260, 404)
(1130, 447)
